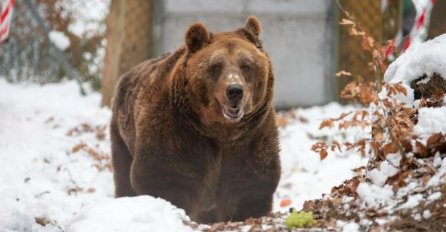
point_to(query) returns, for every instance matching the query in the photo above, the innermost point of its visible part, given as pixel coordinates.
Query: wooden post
(129, 35)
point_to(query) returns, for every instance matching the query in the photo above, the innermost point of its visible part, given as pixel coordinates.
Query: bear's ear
(253, 25)
(196, 37)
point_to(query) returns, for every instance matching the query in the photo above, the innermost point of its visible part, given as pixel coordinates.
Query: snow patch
(350, 227)
(434, 196)
(427, 58)
(59, 39)
(387, 168)
(142, 213)
(374, 195)
(417, 217)
(437, 160)
(302, 168)
(427, 214)
(412, 201)
(440, 176)
(13, 219)
(431, 120)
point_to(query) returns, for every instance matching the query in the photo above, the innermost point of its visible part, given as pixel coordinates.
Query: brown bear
(197, 127)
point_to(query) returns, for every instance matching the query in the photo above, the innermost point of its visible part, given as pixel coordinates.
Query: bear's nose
(234, 92)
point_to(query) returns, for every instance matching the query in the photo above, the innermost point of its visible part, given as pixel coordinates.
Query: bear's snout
(235, 94)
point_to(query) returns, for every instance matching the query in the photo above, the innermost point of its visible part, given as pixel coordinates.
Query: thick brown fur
(171, 140)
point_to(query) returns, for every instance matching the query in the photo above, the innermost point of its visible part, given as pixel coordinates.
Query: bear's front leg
(247, 194)
(159, 179)
(241, 204)
(122, 161)
(252, 206)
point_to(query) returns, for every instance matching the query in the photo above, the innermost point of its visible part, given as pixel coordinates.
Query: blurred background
(96, 41)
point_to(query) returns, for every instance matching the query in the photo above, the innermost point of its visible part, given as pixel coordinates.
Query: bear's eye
(216, 68)
(245, 67)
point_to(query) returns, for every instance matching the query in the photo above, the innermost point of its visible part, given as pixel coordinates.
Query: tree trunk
(129, 38)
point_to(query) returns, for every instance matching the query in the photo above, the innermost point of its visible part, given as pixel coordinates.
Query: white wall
(296, 34)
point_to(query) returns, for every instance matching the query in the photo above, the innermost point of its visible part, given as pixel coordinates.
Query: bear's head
(229, 75)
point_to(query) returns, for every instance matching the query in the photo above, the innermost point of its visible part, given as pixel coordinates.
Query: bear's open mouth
(233, 113)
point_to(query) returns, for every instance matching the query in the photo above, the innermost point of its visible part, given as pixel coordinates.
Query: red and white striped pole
(6, 9)
(418, 34)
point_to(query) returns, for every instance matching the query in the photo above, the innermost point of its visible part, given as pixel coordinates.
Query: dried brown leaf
(346, 22)
(78, 147)
(435, 140)
(335, 144)
(421, 150)
(326, 123)
(43, 221)
(344, 125)
(342, 116)
(367, 44)
(323, 154)
(391, 147)
(352, 185)
(343, 73)
(353, 31)
(281, 121)
(400, 89)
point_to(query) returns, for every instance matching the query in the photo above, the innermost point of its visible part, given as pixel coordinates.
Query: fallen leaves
(420, 149)
(283, 118)
(85, 128)
(281, 121)
(436, 142)
(102, 160)
(285, 202)
(43, 221)
(326, 123)
(321, 148)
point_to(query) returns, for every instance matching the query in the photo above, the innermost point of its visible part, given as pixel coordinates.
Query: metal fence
(381, 24)
(77, 31)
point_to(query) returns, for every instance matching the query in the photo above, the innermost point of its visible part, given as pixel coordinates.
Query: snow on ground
(304, 175)
(39, 175)
(55, 171)
(155, 213)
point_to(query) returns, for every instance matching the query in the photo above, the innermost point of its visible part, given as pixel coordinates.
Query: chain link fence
(381, 24)
(77, 28)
